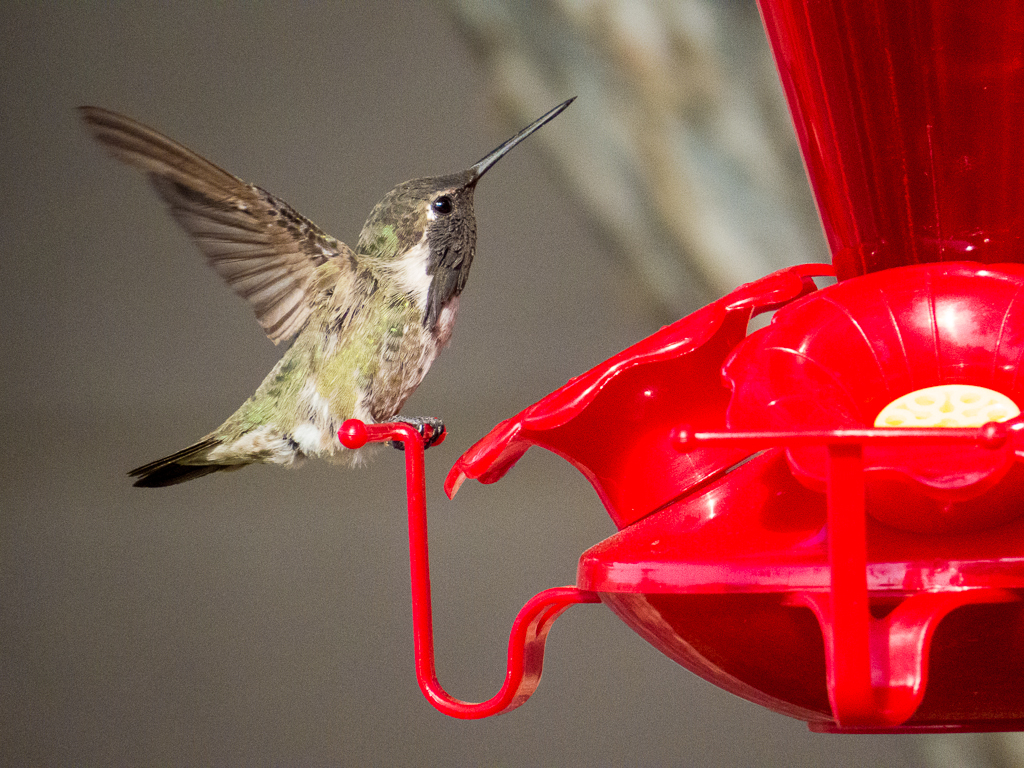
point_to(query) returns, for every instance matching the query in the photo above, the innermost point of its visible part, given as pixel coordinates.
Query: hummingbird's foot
(431, 429)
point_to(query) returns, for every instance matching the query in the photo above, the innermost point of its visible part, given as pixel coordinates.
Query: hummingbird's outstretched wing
(264, 250)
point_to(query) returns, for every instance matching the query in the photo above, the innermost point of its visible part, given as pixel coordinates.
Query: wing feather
(262, 248)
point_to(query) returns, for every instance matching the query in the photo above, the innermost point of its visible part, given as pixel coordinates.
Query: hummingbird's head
(422, 235)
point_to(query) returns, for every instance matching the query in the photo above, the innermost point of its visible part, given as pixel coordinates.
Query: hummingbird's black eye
(443, 205)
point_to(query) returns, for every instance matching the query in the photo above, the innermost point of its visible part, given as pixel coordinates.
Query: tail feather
(179, 467)
(172, 474)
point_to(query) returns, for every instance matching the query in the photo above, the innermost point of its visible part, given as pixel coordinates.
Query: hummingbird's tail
(182, 466)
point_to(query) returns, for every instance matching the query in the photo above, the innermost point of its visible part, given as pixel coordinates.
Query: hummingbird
(365, 324)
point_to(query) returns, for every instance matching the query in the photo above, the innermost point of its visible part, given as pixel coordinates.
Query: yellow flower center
(947, 405)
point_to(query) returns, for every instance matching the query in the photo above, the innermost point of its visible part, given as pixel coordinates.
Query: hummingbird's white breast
(410, 273)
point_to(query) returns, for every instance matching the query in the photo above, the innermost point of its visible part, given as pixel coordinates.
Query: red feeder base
(735, 584)
(769, 565)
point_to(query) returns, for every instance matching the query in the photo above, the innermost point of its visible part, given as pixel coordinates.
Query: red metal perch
(530, 628)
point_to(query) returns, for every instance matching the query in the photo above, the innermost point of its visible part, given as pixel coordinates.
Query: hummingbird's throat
(410, 274)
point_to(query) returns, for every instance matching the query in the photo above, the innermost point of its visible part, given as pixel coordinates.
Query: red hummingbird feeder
(772, 538)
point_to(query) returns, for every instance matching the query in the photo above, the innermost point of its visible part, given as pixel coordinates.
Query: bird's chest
(383, 354)
(376, 359)
(405, 356)
(409, 349)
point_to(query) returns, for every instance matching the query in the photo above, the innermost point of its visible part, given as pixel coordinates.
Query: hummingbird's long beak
(481, 167)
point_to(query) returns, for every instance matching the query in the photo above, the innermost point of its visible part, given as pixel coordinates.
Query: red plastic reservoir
(909, 114)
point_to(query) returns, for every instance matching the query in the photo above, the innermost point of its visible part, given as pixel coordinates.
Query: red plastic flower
(834, 359)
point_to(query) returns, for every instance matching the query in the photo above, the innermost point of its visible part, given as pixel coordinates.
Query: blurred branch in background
(684, 154)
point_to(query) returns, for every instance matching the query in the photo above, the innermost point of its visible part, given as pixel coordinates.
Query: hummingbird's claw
(431, 429)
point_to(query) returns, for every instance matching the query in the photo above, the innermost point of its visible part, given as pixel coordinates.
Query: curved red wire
(530, 628)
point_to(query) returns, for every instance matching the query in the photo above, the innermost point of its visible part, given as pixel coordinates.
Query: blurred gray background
(262, 617)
